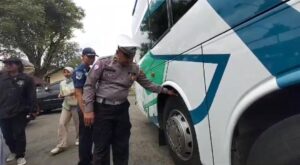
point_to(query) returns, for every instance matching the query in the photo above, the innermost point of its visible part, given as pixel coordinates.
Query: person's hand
(172, 93)
(31, 116)
(60, 96)
(88, 118)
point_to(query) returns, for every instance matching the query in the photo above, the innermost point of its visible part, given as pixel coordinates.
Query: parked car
(47, 98)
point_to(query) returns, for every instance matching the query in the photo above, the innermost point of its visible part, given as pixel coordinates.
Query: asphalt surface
(42, 137)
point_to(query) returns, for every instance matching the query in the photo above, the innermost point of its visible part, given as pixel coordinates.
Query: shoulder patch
(96, 67)
(79, 75)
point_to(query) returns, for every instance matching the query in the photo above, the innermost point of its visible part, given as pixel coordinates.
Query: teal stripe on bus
(274, 40)
(201, 111)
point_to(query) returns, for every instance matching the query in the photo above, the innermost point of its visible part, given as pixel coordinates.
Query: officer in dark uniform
(17, 99)
(106, 105)
(85, 132)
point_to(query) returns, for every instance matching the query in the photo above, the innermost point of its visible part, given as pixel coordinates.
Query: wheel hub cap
(179, 135)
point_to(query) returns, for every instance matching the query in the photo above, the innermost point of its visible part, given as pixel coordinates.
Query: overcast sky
(104, 21)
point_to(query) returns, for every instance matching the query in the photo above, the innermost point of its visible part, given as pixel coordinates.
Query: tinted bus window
(158, 19)
(142, 35)
(180, 7)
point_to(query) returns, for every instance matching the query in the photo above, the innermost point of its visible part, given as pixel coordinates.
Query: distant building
(54, 76)
(28, 67)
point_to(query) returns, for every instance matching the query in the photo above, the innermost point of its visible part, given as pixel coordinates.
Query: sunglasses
(125, 54)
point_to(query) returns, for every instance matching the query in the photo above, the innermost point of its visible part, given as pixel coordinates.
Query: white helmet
(126, 41)
(127, 45)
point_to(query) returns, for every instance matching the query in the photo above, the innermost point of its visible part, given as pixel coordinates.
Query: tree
(7, 52)
(69, 55)
(39, 29)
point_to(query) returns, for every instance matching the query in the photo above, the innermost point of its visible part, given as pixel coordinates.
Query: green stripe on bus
(154, 69)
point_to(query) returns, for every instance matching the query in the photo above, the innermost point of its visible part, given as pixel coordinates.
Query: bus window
(180, 7)
(142, 32)
(158, 19)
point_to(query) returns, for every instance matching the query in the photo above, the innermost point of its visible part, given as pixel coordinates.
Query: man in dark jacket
(17, 99)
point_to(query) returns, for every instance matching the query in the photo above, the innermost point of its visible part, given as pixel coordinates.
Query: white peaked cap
(126, 41)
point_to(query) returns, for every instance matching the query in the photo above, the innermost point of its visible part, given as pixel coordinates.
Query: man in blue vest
(85, 132)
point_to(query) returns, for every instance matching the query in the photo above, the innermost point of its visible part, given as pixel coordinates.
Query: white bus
(235, 65)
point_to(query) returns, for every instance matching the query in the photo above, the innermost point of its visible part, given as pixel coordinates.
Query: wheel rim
(179, 135)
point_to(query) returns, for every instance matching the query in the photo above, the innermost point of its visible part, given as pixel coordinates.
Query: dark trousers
(13, 130)
(111, 127)
(85, 142)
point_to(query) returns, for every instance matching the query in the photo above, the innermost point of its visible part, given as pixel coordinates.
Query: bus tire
(180, 133)
(278, 145)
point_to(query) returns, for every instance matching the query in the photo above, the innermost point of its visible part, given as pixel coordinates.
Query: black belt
(109, 102)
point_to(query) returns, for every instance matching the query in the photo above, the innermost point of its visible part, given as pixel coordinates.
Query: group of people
(96, 99)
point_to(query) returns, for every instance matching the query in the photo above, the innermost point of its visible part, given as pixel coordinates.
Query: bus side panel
(188, 75)
(191, 30)
(242, 72)
(258, 50)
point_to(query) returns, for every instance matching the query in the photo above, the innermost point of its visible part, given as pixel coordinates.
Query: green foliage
(39, 29)
(68, 55)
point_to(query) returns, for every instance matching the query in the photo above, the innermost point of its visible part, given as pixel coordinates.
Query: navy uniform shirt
(79, 75)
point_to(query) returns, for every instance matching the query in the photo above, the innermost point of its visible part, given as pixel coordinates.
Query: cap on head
(70, 69)
(89, 52)
(127, 45)
(16, 61)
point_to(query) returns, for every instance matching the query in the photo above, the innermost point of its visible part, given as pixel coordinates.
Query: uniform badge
(96, 67)
(20, 83)
(86, 73)
(79, 75)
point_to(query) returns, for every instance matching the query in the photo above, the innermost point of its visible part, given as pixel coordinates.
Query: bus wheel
(278, 145)
(179, 133)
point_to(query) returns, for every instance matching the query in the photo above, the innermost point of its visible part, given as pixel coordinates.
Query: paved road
(144, 149)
